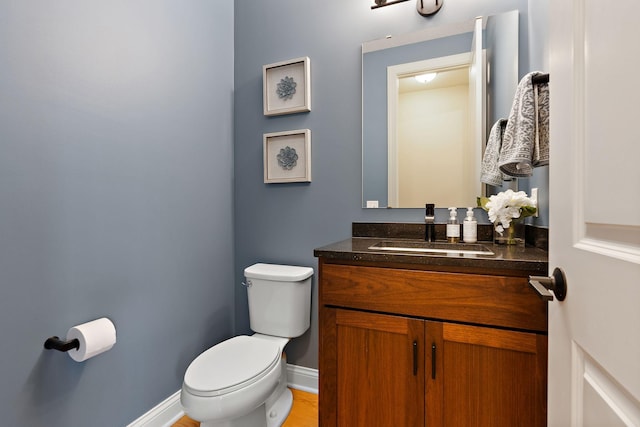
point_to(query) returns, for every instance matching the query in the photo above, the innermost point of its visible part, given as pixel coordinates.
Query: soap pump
(453, 226)
(470, 228)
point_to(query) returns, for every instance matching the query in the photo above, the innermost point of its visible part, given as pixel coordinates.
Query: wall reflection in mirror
(423, 141)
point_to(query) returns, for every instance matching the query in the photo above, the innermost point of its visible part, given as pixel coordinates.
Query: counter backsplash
(534, 236)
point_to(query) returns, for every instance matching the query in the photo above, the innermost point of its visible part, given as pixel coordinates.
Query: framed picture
(287, 156)
(286, 87)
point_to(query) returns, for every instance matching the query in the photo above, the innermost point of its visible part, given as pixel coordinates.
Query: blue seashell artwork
(287, 158)
(286, 88)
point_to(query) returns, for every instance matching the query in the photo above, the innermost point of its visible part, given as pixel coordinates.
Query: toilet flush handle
(247, 284)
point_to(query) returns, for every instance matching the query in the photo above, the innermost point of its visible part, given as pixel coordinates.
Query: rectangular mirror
(423, 142)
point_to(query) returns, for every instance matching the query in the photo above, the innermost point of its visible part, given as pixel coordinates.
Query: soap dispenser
(470, 228)
(453, 226)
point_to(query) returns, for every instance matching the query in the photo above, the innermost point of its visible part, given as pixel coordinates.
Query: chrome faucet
(429, 219)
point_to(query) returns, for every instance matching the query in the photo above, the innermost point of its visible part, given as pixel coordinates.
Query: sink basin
(432, 247)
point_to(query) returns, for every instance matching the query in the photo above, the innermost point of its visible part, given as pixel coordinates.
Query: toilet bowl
(239, 382)
(242, 382)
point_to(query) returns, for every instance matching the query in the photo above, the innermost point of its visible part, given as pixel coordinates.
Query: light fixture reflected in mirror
(426, 78)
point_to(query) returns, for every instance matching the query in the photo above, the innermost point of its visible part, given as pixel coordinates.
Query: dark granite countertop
(515, 259)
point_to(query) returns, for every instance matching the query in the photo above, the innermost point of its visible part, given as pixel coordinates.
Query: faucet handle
(429, 219)
(429, 211)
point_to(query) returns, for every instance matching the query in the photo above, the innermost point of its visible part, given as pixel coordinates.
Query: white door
(594, 335)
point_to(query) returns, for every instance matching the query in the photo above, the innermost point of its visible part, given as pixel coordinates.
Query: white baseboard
(164, 414)
(302, 378)
(169, 410)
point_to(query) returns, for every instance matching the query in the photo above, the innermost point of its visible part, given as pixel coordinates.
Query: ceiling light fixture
(424, 7)
(428, 7)
(383, 3)
(426, 78)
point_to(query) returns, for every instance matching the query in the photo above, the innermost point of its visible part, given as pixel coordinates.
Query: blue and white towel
(490, 173)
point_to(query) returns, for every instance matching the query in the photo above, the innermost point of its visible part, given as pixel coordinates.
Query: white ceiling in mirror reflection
(430, 33)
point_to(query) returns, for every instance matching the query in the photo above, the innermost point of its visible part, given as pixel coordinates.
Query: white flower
(507, 205)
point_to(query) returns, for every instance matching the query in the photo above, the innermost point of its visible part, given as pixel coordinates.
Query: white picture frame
(287, 156)
(286, 87)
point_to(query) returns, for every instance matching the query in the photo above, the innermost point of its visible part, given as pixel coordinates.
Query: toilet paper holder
(55, 343)
(86, 340)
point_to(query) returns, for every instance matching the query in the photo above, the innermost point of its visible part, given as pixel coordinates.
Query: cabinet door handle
(415, 358)
(433, 361)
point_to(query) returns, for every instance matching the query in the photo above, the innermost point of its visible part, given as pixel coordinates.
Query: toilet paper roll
(95, 337)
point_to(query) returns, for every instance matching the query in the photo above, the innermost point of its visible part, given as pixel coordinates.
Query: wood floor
(304, 412)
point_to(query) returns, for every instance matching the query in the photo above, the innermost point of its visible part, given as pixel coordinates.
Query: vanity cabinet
(405, 346)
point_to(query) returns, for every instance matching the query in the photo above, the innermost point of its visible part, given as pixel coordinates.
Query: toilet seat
(231, 365)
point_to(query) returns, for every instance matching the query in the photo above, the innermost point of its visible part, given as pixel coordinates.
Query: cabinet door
(485, 377)
(379, 362)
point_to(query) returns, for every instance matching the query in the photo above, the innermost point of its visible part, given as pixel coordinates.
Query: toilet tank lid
(285, 273)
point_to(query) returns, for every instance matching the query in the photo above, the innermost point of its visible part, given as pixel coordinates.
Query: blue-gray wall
(283, 223)
(131, 180)
(538, 57)
(116, 180)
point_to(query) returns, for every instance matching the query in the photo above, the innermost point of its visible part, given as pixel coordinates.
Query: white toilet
(242, 382)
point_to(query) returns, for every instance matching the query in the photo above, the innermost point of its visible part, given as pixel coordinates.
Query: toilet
(242, 382)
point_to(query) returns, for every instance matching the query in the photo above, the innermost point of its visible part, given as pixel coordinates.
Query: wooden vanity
(410, 340)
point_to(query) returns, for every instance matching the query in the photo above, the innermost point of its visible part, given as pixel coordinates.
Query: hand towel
(541, 147)
(525, 143)
(490, 172)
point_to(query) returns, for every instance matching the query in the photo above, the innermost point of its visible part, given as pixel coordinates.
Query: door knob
(556, 283)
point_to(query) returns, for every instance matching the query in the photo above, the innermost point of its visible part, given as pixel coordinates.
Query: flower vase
(512, 235)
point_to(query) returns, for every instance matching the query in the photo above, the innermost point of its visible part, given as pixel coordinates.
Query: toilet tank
(279, 299)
